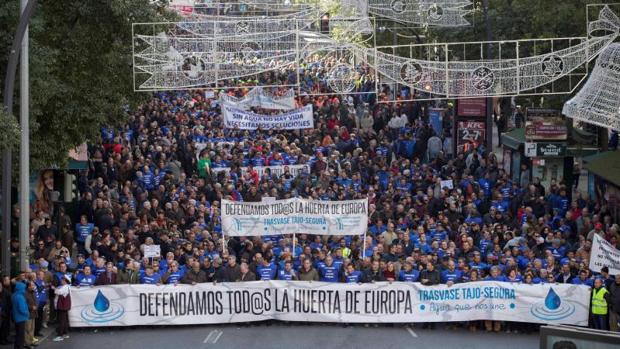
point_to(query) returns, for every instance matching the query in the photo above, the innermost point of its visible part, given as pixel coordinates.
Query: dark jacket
(191, 277)
(125, 278)
(560, 279)
(103, 279)
(614, 290)
(232, 274)
(433, 277)
(249, 276)
(370, 275)
(20, 305)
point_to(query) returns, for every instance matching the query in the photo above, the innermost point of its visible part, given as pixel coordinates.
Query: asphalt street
(297, 336)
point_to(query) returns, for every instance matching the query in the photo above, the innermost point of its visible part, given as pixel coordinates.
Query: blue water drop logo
(552, 301)
(101, 302)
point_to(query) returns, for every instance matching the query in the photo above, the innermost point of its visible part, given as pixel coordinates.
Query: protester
(601, 301)
(21, 313)
(614, 298)
(63, 305)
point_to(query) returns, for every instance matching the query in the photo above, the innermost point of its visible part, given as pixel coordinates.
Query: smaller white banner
(604, 254)
(260, 98)
(294, 170)
(295, 216)
(235, 118)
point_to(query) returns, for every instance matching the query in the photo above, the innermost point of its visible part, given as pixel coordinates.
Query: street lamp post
(489, 111)
(27, 9)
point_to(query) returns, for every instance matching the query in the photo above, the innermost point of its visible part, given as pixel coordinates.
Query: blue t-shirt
(355, 276)
(150, 280)
(86, 280)
(454, 276)
(267, 272)
(285, 275)
(83, 231)
(329, 273)
(409, 276)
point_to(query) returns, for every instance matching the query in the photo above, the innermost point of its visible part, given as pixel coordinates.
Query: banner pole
(293, 248)
(223, 242)
(364, 246)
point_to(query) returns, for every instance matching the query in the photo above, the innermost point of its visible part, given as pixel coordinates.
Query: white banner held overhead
(291, 216)
(604, 254)
(279, 170)
(235, 118)
(259, 98)
(381, 302)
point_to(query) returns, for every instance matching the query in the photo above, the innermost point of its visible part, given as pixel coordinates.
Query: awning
(514, 139)
(605, 165)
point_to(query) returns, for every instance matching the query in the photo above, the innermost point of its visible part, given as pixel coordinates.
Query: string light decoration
(450, 76)
(598, 102)
(432, 13)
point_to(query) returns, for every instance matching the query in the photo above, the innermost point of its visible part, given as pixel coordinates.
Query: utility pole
(24, 150)
(9, 89)
(489, 54)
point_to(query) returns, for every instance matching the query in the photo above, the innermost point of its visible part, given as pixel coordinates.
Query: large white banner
(275, 170)
(604, 254)
(259, 98)
(381, 302)
(301, 216)
(240, 119)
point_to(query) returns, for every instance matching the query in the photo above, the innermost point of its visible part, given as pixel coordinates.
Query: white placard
(447, 184)
(151, 251)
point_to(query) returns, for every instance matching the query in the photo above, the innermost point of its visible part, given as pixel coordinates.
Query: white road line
(410, 330)
(209, 336)
(218, 337)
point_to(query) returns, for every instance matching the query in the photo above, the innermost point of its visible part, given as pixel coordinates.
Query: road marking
(411, 332)
(209, 336)
(218, 337)
(216, 334)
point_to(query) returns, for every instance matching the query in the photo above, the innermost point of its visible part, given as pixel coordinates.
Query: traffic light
(71, 188)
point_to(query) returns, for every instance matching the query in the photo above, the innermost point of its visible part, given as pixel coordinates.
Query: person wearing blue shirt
(451, 275)
(266, 270)
(85, 279)
(495, 275)
(173, 275)
(41, 288)
(351, 275)
(82, 231)
(329, 272)
(583, 279)
(408, 274)
(287, 273)
(150, 277)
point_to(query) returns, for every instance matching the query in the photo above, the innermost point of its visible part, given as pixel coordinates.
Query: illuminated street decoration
(434, 13)
(598, 102)
(452, 76)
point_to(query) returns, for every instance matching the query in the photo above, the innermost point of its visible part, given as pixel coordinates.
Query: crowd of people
(159, 180)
